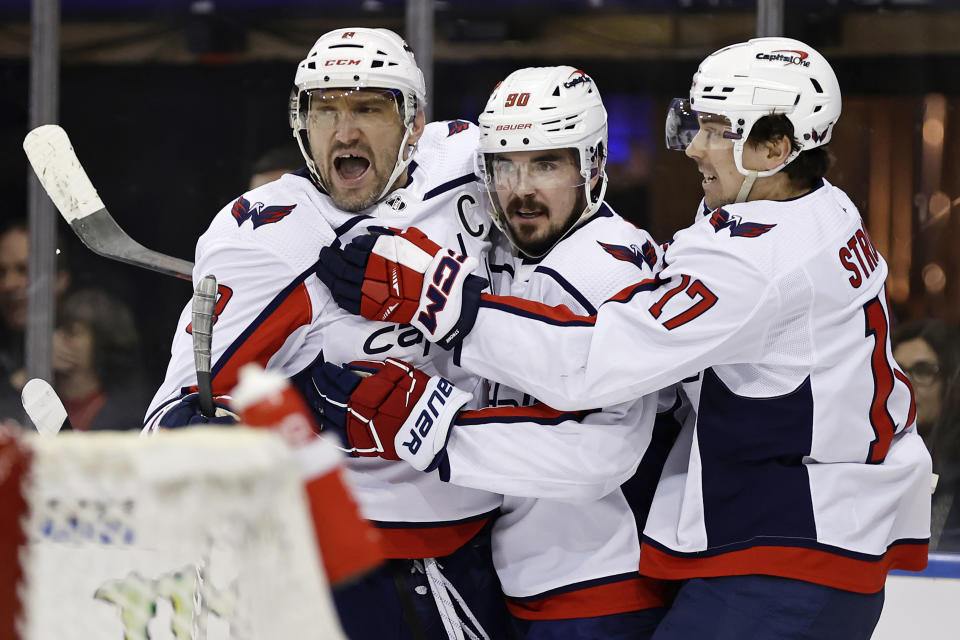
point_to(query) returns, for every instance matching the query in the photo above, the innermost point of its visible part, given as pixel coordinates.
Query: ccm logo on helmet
(339, 63)
(514, 127)
(797, 57)
(425, 420)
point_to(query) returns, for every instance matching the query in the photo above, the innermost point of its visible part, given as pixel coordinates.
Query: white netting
(200, 533)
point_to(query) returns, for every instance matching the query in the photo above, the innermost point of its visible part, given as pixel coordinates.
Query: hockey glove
(404, 277)
(395, 411)
(187, 413)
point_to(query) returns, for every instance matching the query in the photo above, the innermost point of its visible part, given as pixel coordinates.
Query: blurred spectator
(97, 363)
(275, 163)
(946, 499)
(928, 351)
(14, 253)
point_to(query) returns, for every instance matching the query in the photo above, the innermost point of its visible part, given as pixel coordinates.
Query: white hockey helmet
(541, 108)
(359, 58)
(764, 76)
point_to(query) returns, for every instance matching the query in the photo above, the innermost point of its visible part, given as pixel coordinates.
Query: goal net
(200, 533)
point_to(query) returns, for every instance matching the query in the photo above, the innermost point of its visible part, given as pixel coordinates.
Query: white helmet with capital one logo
(358, 58)
(541, 108)
(764, 76)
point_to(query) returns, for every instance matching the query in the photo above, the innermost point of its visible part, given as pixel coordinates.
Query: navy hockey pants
(768, 608)
(634, 625)
(371, 608)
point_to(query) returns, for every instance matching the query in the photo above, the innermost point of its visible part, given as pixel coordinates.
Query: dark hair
(945, 342)
(15, 224)
(809, 166)
(939, 335)
(287, 156)
(116, 342)
(20, 224)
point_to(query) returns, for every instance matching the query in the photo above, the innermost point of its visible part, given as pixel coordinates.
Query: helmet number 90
(518, 99)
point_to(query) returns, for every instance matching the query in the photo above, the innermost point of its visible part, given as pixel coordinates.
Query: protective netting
(201, 533)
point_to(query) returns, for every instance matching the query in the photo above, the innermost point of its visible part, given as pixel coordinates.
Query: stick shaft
(204, 301)
(102, 235)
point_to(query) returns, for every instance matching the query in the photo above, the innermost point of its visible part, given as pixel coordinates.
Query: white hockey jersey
(272, 309)
(803, 460)
(567, 542)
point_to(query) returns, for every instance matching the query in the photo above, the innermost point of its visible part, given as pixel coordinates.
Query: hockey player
(800, 480)
(566, 545)
(370, 160)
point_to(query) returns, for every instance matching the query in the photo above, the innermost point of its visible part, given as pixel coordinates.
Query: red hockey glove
(397, 412)
(404, 277)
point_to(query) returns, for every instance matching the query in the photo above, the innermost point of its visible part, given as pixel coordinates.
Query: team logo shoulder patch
(640, 256)
(720, 219)
(456, 126)
(260, 213)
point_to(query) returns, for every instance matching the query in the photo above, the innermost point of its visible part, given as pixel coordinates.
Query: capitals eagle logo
(640, 256)
(258, 212)
(456, 126)
(720, 219)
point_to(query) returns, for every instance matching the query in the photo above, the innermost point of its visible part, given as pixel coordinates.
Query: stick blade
(56, 164)
(43, 406)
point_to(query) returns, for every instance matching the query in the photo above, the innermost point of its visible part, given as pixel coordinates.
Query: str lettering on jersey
(860, 246)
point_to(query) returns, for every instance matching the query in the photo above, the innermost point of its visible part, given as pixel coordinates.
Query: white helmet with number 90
(541, 108)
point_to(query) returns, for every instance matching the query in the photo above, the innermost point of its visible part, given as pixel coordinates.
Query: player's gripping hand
(187, 412)
(388, 409)
(404, 277)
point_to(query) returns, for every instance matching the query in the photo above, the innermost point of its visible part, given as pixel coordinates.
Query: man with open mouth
(358, 151)
(356, 112)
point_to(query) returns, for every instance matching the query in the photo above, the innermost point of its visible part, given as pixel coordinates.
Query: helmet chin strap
(402, 162)
(747, 185)
(751, 175)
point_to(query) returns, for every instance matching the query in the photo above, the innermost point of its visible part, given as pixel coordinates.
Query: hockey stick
(204, 300)
(44, 407)
(56, 164)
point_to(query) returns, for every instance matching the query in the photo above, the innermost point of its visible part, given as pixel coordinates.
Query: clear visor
(683, 124)
(524, 186)
(365, 107)
(525, 172)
